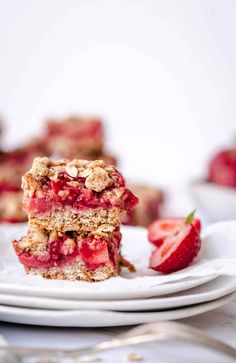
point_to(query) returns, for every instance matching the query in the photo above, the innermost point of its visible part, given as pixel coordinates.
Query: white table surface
(220, 323)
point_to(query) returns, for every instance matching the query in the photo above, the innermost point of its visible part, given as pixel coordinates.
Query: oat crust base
(94, 221)
(75, 271)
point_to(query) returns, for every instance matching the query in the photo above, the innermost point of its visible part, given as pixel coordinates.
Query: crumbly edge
(123, 262)
(96, 221)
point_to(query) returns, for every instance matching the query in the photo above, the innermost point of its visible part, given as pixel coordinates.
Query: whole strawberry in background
(222, 168)
(179, 247)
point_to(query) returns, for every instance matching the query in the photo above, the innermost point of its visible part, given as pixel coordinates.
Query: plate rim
(159, 290)
(131, 318)
(159, 303)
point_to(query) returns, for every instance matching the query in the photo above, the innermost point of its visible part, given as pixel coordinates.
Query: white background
(161, 73)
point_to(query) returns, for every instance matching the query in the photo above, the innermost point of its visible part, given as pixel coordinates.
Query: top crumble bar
(69, 189)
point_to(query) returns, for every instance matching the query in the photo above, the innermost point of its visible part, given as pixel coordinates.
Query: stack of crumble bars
(75, 210)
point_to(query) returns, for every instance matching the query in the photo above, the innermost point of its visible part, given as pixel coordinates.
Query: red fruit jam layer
(79, 197)
(91, 129)
(94, 252)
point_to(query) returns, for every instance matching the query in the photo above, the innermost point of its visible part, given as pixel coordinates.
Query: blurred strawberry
(222, 168)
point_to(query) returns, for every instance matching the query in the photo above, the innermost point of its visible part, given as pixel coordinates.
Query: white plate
(215, 289)
(212, 261)
(218, 202)
(99, 318)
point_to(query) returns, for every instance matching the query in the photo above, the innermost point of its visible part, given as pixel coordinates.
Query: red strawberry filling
(61, 193)
(95, 252)
(52, 257)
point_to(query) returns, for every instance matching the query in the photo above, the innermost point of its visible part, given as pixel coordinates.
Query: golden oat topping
(98, 176)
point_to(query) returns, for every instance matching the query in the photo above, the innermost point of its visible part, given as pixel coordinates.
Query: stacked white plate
(142, 297)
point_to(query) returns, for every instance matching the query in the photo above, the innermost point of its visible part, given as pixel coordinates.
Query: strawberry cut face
(160, 229)
(177, 251)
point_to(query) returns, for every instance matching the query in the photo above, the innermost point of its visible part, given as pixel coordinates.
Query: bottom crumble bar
(71, 256)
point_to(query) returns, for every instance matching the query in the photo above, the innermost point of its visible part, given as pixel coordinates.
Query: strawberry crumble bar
(74, 209)
(69, 255)
(75, 195)
(147, 210)
(75, 136)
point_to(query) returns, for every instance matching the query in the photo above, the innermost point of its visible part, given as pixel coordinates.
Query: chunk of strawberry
(94, 252)
(162, 228)
(177, 251)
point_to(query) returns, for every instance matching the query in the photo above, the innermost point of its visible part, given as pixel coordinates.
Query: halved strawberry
(178, 250)
(162, 228)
